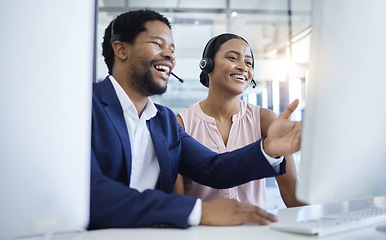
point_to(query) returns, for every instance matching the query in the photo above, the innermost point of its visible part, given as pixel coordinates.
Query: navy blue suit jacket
(114, 204)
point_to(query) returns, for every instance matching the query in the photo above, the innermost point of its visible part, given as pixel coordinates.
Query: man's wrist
(265, 148)
(272, 160)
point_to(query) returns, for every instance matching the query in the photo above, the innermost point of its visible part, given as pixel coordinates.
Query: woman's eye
(158, 44)
(248, 63)
(232, 58)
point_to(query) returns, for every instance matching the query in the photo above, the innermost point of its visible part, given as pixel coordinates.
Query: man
(138, 148)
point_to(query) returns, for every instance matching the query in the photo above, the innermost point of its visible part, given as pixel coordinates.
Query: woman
(223, 122)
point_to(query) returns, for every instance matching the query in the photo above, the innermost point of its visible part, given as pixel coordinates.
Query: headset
(206, 64)
(114, 37)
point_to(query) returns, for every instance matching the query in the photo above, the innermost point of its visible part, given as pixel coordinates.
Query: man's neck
(138, 99)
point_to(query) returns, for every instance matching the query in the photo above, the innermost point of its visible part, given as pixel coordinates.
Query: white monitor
(46, 72)
(343, 149)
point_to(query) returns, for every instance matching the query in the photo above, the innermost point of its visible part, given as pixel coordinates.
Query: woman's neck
(220, 107)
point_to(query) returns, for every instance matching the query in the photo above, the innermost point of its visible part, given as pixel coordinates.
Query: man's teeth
(239, 76)
(163, 68)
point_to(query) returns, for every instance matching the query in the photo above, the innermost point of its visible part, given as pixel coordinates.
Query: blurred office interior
(278, 32)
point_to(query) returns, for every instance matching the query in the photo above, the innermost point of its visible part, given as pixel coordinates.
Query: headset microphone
(179, 79)
(254, 83)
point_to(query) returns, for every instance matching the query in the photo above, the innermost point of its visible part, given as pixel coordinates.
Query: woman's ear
(120, 50)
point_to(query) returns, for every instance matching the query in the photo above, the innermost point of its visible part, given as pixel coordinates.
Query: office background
(278, 32)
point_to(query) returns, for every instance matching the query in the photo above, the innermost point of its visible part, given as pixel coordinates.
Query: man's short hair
(127, 26)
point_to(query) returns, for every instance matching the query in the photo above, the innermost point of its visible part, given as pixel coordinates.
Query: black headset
(114, 37)
(206, 64)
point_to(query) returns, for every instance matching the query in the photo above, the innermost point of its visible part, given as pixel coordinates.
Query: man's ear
(120, 50)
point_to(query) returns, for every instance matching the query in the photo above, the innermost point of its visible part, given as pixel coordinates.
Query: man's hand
(283, 136)
(227, 212)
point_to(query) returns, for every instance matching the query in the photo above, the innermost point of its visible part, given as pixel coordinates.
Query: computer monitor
(46, 73)
(343, 149)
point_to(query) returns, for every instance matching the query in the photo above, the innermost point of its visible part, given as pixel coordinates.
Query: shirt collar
(150, 109)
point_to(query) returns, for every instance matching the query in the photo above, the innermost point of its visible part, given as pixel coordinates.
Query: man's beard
(143, 81)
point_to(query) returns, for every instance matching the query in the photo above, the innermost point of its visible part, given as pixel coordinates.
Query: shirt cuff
(195, 216)
(275, 162)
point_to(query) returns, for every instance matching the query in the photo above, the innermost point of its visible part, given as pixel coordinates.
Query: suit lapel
(114, 111)
(161, 149)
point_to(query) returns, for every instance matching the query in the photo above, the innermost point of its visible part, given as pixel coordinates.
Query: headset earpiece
(114, 37)
(206, 63)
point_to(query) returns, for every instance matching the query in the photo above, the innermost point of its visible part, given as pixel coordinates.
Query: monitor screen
(46, 72)
(343, 151)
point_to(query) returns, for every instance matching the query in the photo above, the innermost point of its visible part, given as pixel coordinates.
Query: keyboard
(336, 223)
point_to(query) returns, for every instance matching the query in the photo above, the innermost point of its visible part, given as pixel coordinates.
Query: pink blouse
(245, 129)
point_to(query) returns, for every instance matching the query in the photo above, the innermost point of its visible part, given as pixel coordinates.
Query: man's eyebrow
(237, 53)
(162, 40)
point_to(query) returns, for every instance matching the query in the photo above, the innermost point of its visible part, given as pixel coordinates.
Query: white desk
(246, 231)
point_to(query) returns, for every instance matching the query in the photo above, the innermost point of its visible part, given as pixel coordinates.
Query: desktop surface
(245, 231)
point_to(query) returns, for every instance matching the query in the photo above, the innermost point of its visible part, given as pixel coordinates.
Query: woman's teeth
(239, 76)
